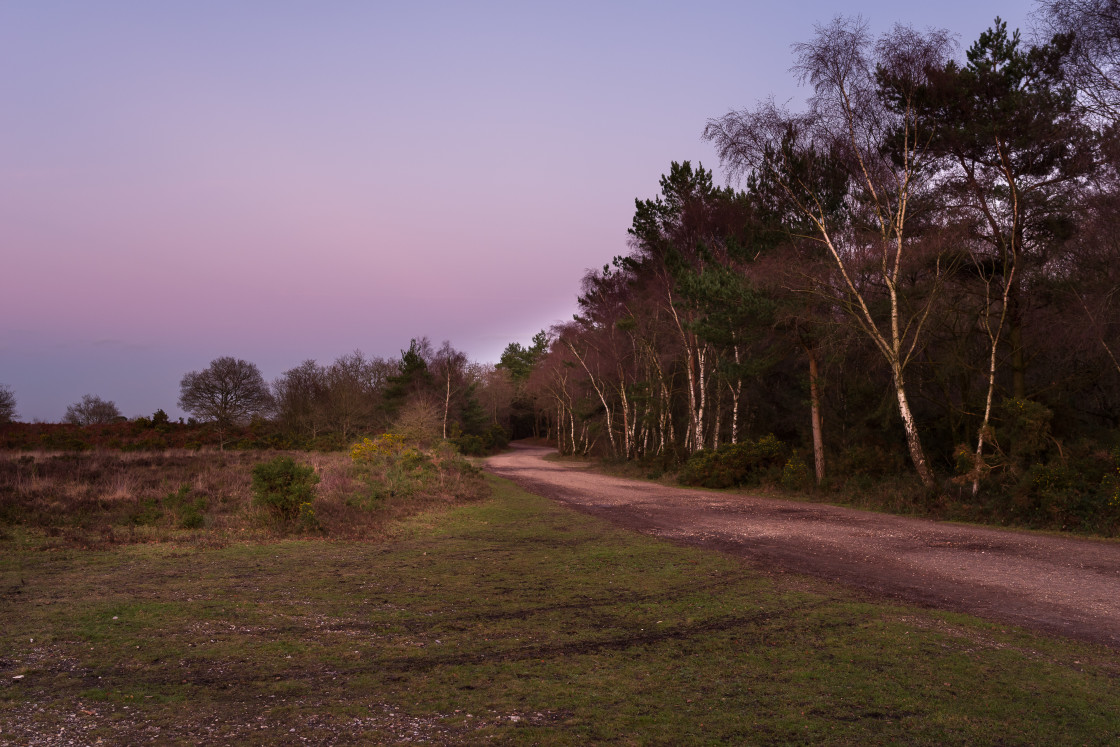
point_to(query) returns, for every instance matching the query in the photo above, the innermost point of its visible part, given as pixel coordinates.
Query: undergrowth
(1073, 488)
(100, 498)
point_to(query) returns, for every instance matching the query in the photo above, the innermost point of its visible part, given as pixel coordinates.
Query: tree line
(919, 266)
(427, 393)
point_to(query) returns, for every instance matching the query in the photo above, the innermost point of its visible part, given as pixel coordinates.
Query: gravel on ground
(1055, 584)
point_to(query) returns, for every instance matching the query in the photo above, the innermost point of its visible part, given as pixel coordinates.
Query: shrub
(145, 512)
(398, 473)
(1026, 426)
(384, 445)
(1075, 487)
(795, 474)
(493, 439)
(471, 445)
(414, 461)
(869, 461)
(284, 488)
(191, 511)
(1110, 482)
(744, 463)
(496, 437)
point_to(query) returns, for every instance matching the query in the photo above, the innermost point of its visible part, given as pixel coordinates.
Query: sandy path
(1055, 584)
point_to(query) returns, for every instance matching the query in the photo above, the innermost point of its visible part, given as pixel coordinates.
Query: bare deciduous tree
(227, 393)
(851, 169)
(419, 419)
(91, 410)
(449, 367)
(1093, 64)
(352, 393)
(7, 404)
(299, 396)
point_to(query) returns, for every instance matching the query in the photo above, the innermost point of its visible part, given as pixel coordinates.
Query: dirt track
(1054, 584)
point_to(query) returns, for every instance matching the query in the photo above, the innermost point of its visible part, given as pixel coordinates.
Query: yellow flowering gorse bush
(386, 444)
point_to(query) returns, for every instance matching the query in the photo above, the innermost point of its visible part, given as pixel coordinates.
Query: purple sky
(279, 181)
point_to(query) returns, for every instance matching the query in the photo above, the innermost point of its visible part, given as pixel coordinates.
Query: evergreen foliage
(285, 489)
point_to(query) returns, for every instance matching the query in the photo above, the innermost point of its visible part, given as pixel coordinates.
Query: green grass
(509, 621)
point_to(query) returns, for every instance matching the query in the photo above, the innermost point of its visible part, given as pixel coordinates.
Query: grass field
(511, 621)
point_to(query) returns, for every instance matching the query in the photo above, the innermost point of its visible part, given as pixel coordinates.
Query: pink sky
(280, 181)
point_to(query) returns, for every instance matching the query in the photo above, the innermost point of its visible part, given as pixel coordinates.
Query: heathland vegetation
(905, 297)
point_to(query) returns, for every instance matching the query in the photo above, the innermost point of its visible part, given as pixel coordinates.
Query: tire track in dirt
(1063, 585)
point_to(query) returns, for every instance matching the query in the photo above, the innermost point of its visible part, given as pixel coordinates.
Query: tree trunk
(447, 402)
(703, 397)
(716, 410)
(917, 455)
(627, 435)
(815, 408)
(690, 370)
(602, 398)
(736, 392)
(993, 339)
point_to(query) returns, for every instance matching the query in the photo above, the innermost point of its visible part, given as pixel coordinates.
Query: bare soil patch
(1054, 584)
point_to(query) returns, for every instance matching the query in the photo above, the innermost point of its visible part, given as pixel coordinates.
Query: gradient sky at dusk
(287, 180)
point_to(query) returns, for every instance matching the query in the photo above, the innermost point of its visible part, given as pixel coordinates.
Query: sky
(278, 180)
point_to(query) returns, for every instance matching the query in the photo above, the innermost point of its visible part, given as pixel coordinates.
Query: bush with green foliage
(1072, 489)
(1025, 426)
(1031, 479)
(744, 463)
(796, 474)
(190, 510)
(285, 489)
(491, 440)
(470, 445)
(397, 469)
(869, 461)
(496, 437)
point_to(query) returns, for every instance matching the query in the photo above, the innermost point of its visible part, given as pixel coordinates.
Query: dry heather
(91, 499)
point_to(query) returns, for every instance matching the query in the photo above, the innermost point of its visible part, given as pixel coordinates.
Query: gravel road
(1054, 584)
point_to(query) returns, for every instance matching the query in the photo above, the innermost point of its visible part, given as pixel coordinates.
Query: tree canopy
(228, 392)
(91, 410)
